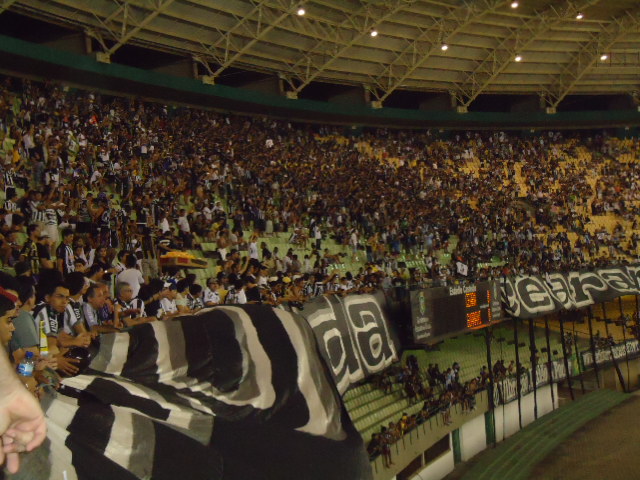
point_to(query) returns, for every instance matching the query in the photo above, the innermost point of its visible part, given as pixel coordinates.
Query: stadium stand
(120, 191)
(371, 407)
(536, 223)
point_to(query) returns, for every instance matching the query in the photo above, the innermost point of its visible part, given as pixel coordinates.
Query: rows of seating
(370, 408)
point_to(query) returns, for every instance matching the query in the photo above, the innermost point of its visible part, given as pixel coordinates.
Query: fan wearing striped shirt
(74, 323)
(128, 310)
(52, 215)
(11, 204)
(30, 251)
(49, 320)
(64, 253)
(9, 182)
(36, 208)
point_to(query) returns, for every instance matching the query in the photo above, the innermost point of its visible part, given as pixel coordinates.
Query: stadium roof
(564, 47)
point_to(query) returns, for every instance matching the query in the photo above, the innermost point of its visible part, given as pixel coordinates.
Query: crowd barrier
(506, 390)
(630, 348)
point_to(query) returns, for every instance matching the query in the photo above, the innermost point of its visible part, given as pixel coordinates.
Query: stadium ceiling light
(604, 57)
(444, 47)
(579, 16)
(374, 33)
(301, 11)
(518, 58)
(515, 4)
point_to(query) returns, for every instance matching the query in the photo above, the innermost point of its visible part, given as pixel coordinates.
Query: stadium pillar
(623, 322)
(610, 341)
(593, 347)
(579, 364)
(564, 356)
(488, 334)
(549, 361)
(518, 382)
(617, 367)
(534, 367)
(455, 443)
(604, 317)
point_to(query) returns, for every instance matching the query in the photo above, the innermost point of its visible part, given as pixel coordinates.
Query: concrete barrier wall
(439, 468)
(507, 422)
(473, 438)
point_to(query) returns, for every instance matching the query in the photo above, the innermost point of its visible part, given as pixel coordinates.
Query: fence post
(564, 356)
(593, 347)
(518, 382)
(579, 362)
(623, 321)
(534, 367)
(549, 361)
(488, 335)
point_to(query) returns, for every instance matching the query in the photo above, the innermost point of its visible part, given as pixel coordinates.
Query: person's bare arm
(80, 328)
(130, 322)
(97, 329)
(66, 365)
(81, 340)
(22, 423)
(183, 309)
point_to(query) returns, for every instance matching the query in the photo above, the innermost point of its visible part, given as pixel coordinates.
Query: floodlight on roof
(604, 57)
(514, 4)
(518, 58)
(374, 33)
(444, 47)
(579, 16)
(301, 11)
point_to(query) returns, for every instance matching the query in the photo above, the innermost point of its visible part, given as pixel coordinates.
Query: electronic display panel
(441, 312)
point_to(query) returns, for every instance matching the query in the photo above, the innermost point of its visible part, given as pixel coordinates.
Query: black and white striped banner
(231, 393)
(353, 335)
(530, 296)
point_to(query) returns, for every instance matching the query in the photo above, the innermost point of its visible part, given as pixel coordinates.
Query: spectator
(30, 252)
(211, 294)
(386, 440)
(94, 301)
(182, 290)
(49, 320)
(64, 253)
(131, 275)
(129, 311)
(168, 301)
(74, 321)
(194, 298)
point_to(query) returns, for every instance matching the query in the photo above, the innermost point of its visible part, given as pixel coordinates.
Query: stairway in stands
(515, 458)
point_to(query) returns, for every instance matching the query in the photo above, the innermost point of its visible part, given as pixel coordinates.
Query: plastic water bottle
(25, 369)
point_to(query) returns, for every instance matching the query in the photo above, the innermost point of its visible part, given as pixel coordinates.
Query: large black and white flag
(530, 296)
(231, 393)
(353, 335)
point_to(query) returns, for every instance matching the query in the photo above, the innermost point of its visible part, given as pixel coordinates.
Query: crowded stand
(101, 193)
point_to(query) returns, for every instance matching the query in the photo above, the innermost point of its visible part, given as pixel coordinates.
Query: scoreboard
(441, 312)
